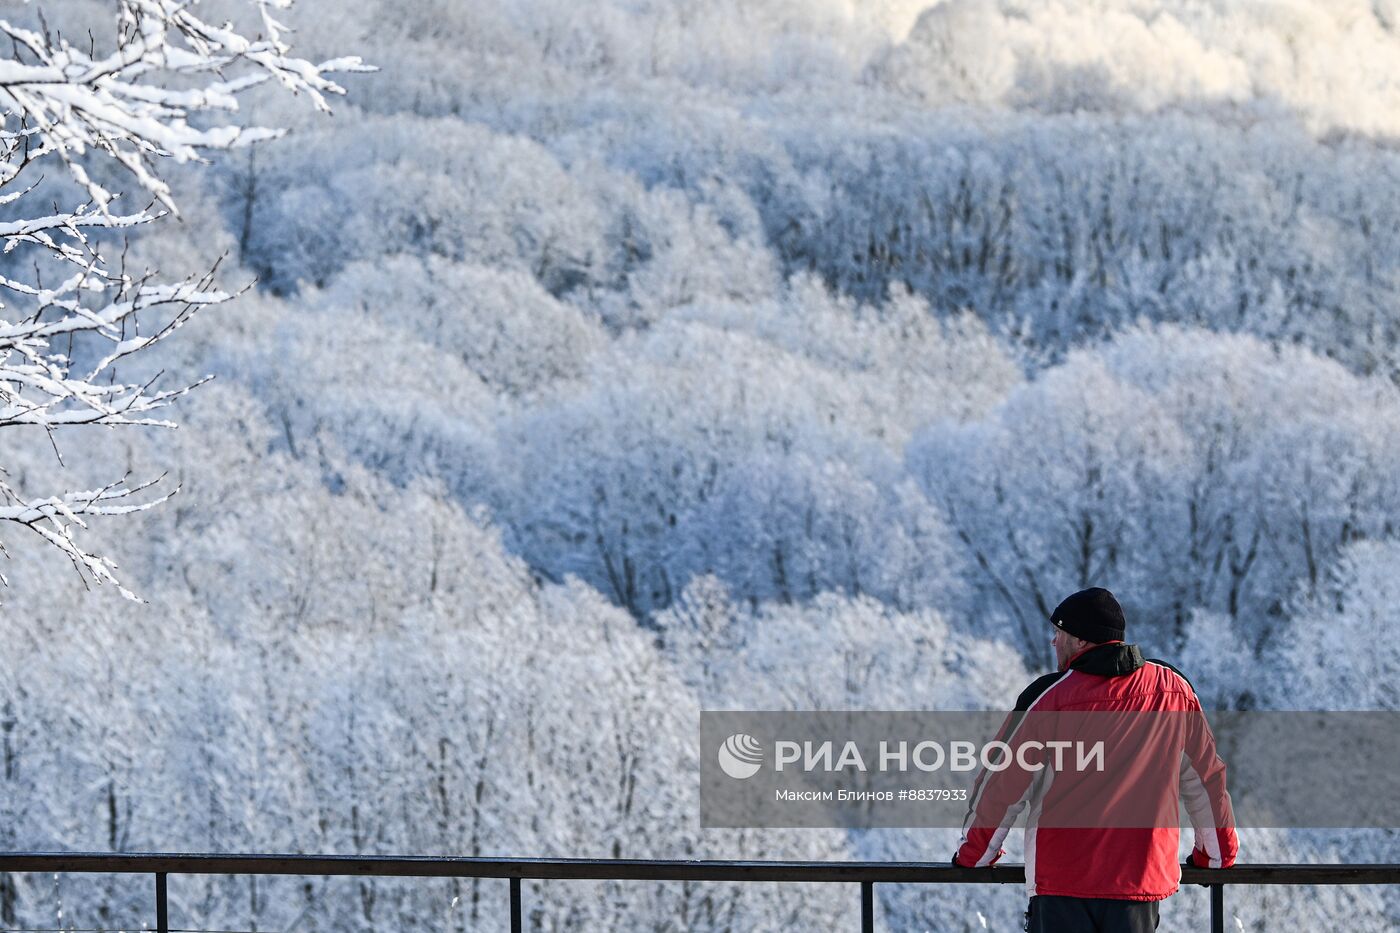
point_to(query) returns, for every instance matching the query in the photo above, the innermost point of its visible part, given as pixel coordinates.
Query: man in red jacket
(1101, 843)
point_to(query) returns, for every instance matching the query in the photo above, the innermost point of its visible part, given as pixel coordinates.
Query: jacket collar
(1111, 659)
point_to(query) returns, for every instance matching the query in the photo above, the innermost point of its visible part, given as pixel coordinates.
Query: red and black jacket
(1164, 759)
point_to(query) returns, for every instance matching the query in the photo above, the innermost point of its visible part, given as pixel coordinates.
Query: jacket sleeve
(1205, 796)
(998, 797)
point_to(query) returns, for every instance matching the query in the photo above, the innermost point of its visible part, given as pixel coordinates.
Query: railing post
(1217, 908)
(867, 907)
(516, 924)
(162, 911)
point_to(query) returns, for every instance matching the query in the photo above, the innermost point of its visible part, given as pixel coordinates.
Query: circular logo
(741, 756)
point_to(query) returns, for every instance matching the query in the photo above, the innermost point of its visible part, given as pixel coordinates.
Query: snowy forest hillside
(609, 361)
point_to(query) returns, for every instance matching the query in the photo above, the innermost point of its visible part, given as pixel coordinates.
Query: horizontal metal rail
(866, 874)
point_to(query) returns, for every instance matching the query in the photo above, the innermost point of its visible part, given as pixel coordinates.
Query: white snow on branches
(132, 105)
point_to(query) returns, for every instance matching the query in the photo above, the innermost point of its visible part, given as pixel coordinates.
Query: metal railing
(864, 874)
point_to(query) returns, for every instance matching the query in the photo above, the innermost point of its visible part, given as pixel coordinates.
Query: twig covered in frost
(59, 103)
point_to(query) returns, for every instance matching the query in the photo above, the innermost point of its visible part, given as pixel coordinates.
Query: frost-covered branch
(67, 101)
(131, 104)
(38, 385)
(55, 519)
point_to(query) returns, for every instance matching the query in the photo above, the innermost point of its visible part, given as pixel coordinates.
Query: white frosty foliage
(1336, 63)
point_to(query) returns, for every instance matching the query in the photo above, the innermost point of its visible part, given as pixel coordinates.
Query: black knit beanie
(1092, 614)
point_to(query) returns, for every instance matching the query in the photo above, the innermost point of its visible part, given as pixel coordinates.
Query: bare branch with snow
(59, 103)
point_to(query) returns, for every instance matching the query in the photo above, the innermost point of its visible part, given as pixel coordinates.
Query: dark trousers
(1050, 913)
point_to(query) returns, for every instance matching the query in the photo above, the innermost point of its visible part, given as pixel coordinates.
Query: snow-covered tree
(1334, 652)
(1192, 470)
(80, 320)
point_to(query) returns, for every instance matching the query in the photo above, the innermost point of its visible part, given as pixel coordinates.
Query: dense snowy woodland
(608, 361)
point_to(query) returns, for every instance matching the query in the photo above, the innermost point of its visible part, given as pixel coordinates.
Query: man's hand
(1198, 859)
(1192, 863)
